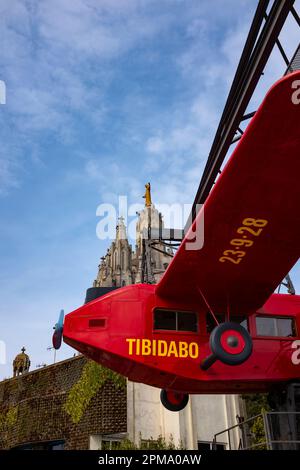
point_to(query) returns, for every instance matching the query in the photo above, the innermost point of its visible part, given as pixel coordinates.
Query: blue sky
(102, 96)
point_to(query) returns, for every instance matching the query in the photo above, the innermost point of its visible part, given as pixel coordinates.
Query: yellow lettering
(162, 347)
(193, 350)
(130, 346)
(183, 349)
(172, 349)
(146, 347)
(138, 346)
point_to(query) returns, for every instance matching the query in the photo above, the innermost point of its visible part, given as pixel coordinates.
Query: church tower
(157, 256)
(121, 265)
(115, 268)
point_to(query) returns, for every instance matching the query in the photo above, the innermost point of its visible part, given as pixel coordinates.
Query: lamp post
(49, 349)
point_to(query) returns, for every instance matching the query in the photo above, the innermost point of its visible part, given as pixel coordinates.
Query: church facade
(122, 265)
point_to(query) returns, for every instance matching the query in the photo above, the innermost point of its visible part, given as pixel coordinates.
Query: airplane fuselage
(162, 343)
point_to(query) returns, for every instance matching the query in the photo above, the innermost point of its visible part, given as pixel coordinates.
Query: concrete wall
(204, 416)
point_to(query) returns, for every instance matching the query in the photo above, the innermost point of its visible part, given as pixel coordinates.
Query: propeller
(58, 331)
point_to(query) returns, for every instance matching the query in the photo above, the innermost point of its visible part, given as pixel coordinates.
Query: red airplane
(212, 324)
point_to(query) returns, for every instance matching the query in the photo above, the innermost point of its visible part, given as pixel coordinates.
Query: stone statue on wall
(21, 363)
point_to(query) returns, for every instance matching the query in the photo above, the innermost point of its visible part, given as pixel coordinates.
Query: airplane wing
(251, 217)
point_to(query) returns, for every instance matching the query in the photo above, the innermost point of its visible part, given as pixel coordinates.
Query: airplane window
(274, 326)
(211, 324)
(266, 326)
(186, 321)
(210, 321)
(164, 320)
(241, 319)
(286, 327)
(174, 320)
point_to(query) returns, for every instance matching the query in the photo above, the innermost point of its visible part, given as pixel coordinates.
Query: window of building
(149, 444)
(110, 444)
(211, 324)
(107, 441)
(58, 446)
(275, 326)
(206, 445)
(48, 445)
(175, 320)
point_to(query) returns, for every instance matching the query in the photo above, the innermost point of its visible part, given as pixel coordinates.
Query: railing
(272, 430)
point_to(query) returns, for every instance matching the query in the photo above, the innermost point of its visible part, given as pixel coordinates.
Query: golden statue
(21, 363)
(147, 195)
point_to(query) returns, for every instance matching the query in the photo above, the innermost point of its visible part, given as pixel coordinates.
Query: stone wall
(32, 408)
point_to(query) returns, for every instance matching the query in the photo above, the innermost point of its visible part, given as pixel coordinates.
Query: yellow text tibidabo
(162, 348)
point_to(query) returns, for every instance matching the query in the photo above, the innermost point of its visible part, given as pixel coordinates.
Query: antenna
(38, 366)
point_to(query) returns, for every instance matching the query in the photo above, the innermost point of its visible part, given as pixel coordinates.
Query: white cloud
(57, 63)
(155, 145)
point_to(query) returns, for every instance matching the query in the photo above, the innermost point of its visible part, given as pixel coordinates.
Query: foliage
(9, 418)
(255, 405)
(259, 435)
(93, 378)
(146, 444)
(159, 444)
(2, 421)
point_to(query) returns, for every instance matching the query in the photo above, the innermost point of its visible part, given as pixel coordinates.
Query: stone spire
(121, 229)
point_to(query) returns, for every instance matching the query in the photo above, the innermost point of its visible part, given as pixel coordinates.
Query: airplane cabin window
(241, 319)
(175, 320)
(211, 324)
(266, 326)
(186, 321)
(164, 320)
(275, 326)
(286, 327)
